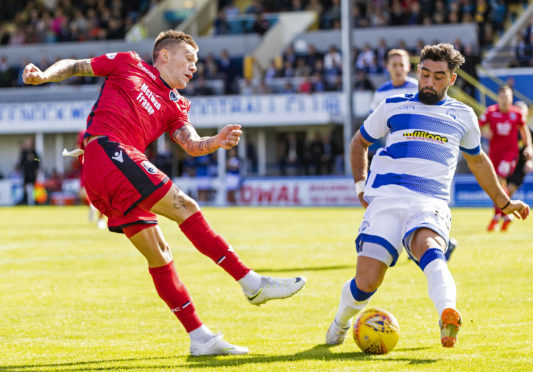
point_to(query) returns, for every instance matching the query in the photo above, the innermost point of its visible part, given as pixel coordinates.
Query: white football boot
(216, 346)
(335, 334)
(274, 288)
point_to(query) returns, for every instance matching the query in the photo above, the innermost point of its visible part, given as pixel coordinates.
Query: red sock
(208, 242)
(174, 293)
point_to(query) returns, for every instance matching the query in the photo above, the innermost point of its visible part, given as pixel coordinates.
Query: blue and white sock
(352, 301)
(441, 286)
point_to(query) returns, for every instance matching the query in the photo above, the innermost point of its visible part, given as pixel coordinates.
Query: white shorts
(389, 222)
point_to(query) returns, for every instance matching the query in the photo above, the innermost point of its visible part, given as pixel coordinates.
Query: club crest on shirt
(452, 113)
(173, 96)
(150, 168)
(111, 55)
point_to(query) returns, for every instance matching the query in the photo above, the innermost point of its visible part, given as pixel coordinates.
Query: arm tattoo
(192, 143)
(179, 202)
(66, 68)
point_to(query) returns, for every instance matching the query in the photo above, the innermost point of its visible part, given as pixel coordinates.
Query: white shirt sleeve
(471, 141)
(375, 126)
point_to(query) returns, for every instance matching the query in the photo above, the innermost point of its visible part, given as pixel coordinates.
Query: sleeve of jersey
(471, 141)
(107, 64)
(181, 118)
(375, 126)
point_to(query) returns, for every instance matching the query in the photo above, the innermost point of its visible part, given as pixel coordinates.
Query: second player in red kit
(502, 123)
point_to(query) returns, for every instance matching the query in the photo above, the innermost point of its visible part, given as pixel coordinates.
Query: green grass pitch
(75, 298)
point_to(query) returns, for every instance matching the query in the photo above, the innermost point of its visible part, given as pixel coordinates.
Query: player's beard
(430, 96)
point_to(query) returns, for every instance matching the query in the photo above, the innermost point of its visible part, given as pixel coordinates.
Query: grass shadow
(308, 268)
(319, 352)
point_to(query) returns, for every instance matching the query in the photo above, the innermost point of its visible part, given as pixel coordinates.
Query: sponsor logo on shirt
(426, 135)
(111, 55)
(503, 128)
(148, 99)
(150, 168)
(150, 73)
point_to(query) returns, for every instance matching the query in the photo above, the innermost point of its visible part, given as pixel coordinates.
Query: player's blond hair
(170, 37)
(397, 52)
(443, 52)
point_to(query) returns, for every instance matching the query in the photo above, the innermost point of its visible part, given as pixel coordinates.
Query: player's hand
(32, 75)
(362, 200)
(229, 136)
(518, 208)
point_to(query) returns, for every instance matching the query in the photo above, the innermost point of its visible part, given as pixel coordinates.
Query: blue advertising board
(467, 193)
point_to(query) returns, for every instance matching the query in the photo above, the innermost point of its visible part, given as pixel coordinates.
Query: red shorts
(122, 183)
(504, 165)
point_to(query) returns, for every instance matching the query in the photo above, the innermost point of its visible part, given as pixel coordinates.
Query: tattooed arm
(194, 145)
(59, 71)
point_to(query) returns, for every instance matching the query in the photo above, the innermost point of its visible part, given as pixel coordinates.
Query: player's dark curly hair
(443, 52)
(169, 37)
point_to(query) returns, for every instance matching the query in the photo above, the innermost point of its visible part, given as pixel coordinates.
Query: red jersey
(135, 105)
(504, 128)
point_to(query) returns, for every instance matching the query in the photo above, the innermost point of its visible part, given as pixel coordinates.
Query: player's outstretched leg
(150, 242)
(442, 291)
(352, 301)
(258, 289)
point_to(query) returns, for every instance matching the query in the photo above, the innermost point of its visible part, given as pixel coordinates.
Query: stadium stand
(245, 51)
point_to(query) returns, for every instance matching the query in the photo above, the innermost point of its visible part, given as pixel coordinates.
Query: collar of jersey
(164, 82)
(442, 102)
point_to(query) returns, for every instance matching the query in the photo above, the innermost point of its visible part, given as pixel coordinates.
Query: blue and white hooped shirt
(422, 147)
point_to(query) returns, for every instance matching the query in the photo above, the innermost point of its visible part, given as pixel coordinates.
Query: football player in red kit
(502, 123)
(139, 102)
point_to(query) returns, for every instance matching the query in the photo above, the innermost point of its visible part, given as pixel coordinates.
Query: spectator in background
(316, 153)
(261, 24)
(312, 56)
(254, 8)
(211, 67)
(292, 154)
(28, 166)
(302, 69)
(7, 73)
(362, 82)
(271, 71)
(221, 25)
(233, 176)
(332, 58)
(332, 14)
(289, 55)
(319, 84)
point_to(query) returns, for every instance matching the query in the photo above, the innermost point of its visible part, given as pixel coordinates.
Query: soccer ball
(376, 331)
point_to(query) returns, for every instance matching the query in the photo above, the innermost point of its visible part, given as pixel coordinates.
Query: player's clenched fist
(229, 136)
(33, 75)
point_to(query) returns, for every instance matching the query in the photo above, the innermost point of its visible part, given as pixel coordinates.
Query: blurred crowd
(29, 22)
(524, 48)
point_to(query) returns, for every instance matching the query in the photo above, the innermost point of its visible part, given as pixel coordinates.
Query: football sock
(201, 334)
(176, 296)
(251, 282)
(208, 242)
(441, 286)
(352, 301)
